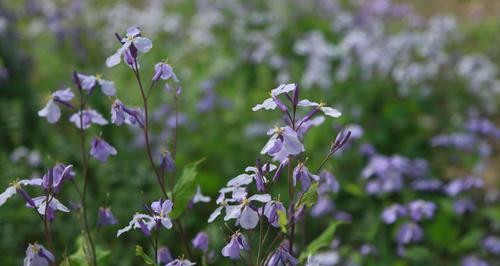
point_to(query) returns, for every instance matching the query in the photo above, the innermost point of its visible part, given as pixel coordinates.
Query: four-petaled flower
(164, 71)
(132, 41)
(16, 187)
(37, 255)
(89, 83)
(52, 111)
(283, 142)
(244, 213)
(101, 150)
(88, 117)
(159, 216)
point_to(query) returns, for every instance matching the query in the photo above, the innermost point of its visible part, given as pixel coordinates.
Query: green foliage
(147, 259)
(282, 220)
(310, 197)
(79, 258)
(184, 189)
(321, 241)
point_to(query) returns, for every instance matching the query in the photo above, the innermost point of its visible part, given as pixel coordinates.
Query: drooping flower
(164, 256)
(328, 111)
(132, 41)
(327, 183)
(271, 212)
(101, 150)
(167, 163)
(235, 245)
(105, 217)
(88, 117)
(164, 71)
(16, 187)
(37, 255)
(52, 111)
(55, 177)
(283, 142)
(89, 83)
(199, 197)
(282, 256)
(200, 241)
(244, 213)
(301, 173)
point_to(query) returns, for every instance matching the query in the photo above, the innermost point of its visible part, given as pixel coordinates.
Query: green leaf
(310, 197)
(417, 254)
(321, 241)
(468, 242)
(79, 258)
(184, 189)
(140, 252)
(282, 221)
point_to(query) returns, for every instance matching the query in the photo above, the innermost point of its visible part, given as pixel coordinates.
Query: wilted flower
(89, 82)
(235, 245)
(101, 150)
(301, 173)
(37, 255)
(200, 241)
(88, 117)
(132, 41)
(164, 71)
(52, 111)
(105, 217)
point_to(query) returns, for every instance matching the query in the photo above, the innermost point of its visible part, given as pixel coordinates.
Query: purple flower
(282, 256)
(159, 216)
(392, 213)
(16, 186)
(235, 245)
(426, 184)
(302, 174)
(223, 204)
(271, 212)
(121, 114)
(145, 222)
(52, 111)
(167, 163)
(283, 142)
(55, 177)
(327, 182)
(105, 217)
(409, 233)
(88, 116)
(164, 256)
(459, 185)
(259, 173)
(132, 41)
(328, 111)
(89, 82)
(244, 213)
(472, 260)
(323, 206)
(101, 150)
(200, 241)
(164, 71)
(420, 209)
(492, 244)
(270, 103)
(37, 255)
(462, 206)
(161, 210)
(180, 262)
(54, 205)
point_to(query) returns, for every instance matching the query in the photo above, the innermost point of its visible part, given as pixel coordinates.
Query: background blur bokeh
(418, 84)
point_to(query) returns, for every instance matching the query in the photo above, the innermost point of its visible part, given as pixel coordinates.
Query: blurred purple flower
(164, 71)
(472, 260)
(52, 111)
(426, 184)
(282, 256)
(409, 233)
(235, 245)
(89, 83)
(37, 255)
(457, 186)
(462, 206)
(492, 244)
(392, 213)
(322, 206)
(200, 241)
(105, 217)
(164, 256)
(420, 209)
(101, 150)
(88, 116)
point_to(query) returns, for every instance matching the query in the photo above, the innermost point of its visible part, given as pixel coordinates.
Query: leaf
(417, 254)
(468, 242)
(140, 252)
(310, 197)
(80, 258)
(282, 221)
(184, 189)
(321, 241)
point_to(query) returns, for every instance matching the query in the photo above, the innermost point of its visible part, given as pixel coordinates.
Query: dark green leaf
(321, 241)
(185, 188)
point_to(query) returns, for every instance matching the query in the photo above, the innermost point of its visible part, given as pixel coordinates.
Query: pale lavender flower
(121, 114)
(283, 142)
(164, 256)
(180, 262)
(200, 241)
(37, 255)
(161, 210)
(222, 203)
(244, 213)
(282, 256)
(52, 111)
(199, 197)
(145, 222)
(101, 150)
(472, 260)
(462, 206)
(409, 233)
(392, 213)
(55, 177)
(420, 209)
(89, 82)
(235, 245)
(132, 41)
(328, 111)
(271, 212)
(301, 173)
(492, 244)
(459, 185)
(270, 103)
(159, 217)
(16, 186)
(165, 72)
(105, 217)
(88, 116)
(327, 183)
(323, 206)
(54, 205)
(426, 184)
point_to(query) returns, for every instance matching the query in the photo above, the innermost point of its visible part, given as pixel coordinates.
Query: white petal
(51, 111)
(64, 95)
(240, 180)
(107, 87)
(88, 82)
(143, 44)
(268, 104)
(260, 197)
(215, 214)
(9, 192)
(133, 31)
(249, 218)
(232, 212)
(115, 58)
(329, 111)
(283, 88)
(307, 103)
